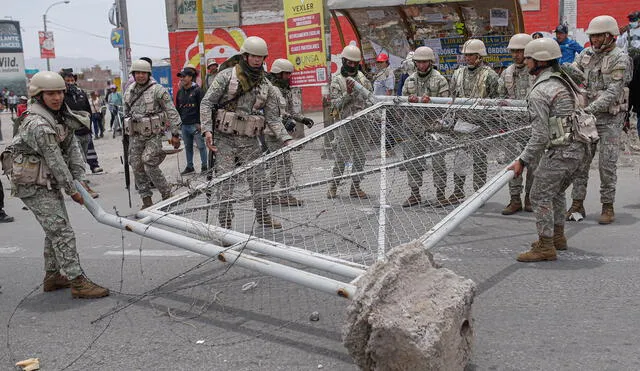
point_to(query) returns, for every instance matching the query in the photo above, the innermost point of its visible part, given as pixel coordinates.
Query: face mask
(633, 24)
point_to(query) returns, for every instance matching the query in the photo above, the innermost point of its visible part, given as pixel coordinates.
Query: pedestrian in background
(115, 102)
(188, 106)
(569, 47)
(96, 117)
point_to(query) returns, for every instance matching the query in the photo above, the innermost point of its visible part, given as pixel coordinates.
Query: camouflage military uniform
(560, 164)
(237, 149)
(283, 169)
(480, 82)
(515, 83)
(432, 85)
(350, 140)
(605, 75)
(145, 149)
(49, 139)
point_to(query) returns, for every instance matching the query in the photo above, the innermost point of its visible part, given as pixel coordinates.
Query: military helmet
(424, 53)
(603, 24)
(281, 65)
(255, 45)
(519, 41)
(474, 46)
(140, 66)
(351, 53)
(544, 49)
(46, 81)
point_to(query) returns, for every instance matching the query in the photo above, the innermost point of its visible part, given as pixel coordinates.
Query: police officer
(515, 83)
(426, 82)
(46, 160)
(345, 101)
(281, 71)
(607, 71)
(551, 102)
(629, 41)
(475, 79)
(242, 101)
(147, 106)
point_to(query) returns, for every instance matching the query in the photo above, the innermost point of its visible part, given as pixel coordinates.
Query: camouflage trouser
(419, 146)
(556, 170)
(234, 151)
(515, 184)
(608, 147)
(145, 157)
(282, 168)
(60, 254)
(348, 146)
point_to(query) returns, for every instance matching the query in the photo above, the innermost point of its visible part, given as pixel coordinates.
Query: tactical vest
(152, 121)
(601, 75)
(419, 86)
(262, 90)
(515, 91)
(479, 83)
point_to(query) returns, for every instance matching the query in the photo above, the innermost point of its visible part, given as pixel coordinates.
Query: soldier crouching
(242, 101)
(147, 105)
(47, 159)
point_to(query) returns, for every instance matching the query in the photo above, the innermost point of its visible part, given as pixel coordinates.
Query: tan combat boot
(414, 198)
(357, 192)
(527, 203)
(458, 190)
(333, 191)
(55, 281)
(265, 220)
(559, 239)
(577, 206)
(607, 216)
(514, 206)
(289, 200)
(83, 288)
(441, 198)
(541, 250)
(146, 202)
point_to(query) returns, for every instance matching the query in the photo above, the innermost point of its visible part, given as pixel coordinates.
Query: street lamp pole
(44, 20)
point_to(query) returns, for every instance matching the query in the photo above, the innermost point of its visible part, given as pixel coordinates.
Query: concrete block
(410, 314)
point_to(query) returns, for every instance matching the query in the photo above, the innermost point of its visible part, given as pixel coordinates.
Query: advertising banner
(11, 58)
(450, 52)
(304, 38)
(47, 48)
(216, 13)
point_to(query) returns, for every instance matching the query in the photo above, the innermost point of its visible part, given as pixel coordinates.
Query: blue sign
(117, 37)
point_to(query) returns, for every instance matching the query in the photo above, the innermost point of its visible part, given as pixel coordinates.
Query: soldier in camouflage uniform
(47, 159)
(475, 79)
(607, 71)
(147, 106)
(346, 100)
(551, 102)
(243, 102)
(515, 83)
(281, 71)
(426, 82)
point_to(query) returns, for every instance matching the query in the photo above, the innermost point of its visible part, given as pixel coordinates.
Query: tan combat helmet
(255, 45)
(603, 24)
(351, 53)
(474, 46)
(281, 65)
(140, 66)
(46, 81)
(519, 41)
(544, 49)
(424, 53)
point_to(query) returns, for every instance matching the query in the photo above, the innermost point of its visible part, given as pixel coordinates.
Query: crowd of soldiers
(243, 102)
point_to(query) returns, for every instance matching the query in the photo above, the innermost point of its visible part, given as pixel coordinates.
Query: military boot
(265, 220)
(357, 192)
(541, 250)
(441, 198)
(414, 198)
(55, 281)
(333, 191)
(166, 196)
(607, 216)
(83, 288)
(514, 206)
(528, 207)
(146, 202)
(458, 190)
(289, 200)
(577, 206)
(559, 239)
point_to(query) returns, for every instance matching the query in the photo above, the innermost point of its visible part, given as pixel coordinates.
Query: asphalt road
(174, 310)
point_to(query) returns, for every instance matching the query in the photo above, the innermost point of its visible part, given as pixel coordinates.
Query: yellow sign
(304, 32)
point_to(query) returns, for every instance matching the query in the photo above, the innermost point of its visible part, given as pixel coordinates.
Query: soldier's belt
(152, 124)
(235, 124)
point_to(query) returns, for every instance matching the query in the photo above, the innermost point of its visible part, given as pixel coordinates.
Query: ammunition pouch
(228, 122)
(30, 169)
(147, 125)
(622, 104)
(559, 131)
(579, 126)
